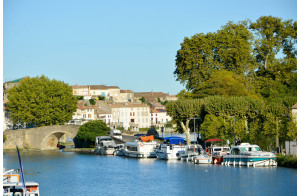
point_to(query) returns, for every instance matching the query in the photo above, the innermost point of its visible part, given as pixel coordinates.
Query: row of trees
(241, 81)
(249, 119)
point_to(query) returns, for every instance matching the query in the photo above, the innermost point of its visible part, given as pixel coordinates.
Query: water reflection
(85, 174)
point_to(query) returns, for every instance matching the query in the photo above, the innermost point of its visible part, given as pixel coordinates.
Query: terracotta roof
(158, 111)
(294, 106)
(95, 87)
(101, 111)
(128, 105)
(126, 91)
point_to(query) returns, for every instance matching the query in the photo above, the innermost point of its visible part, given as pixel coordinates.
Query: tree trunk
(186, 130)
(277, 136)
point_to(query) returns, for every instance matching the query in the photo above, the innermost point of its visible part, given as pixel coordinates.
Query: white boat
(190, 152)
(139, 149)
(13, 186)
(202, 159)
(249, 155)
(217, 152)
(105, 145)
(170, 148)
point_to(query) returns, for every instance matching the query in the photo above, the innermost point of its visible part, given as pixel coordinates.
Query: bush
(79, 97)
(287, 161)
(92, 101)
(89, 131)
(101, 97)
(4, 137)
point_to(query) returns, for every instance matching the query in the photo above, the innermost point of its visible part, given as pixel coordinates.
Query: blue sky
(131, 44)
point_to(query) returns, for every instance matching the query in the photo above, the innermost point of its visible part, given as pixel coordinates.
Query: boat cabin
(244, 147)
(16, 188)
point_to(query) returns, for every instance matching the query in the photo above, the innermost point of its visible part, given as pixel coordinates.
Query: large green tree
(182, 111)
(41, 101)
(88, 132)
(202, 54)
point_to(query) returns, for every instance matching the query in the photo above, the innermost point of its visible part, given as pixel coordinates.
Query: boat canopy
(148, 138)
(213, 140)
(174, 140)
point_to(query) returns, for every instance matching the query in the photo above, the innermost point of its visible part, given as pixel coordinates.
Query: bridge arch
(43, 138)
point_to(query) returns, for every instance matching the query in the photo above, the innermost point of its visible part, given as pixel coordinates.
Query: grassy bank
(287, 161)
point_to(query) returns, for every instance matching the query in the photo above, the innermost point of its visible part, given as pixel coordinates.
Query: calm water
(68, 173)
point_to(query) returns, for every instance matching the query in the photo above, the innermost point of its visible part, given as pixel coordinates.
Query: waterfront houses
(111, 93)
(130, 115)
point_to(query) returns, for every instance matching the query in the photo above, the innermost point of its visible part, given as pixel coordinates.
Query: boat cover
(174, 140)
(213, 140)
(148, 138)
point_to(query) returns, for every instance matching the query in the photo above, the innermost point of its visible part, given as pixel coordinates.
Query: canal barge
(170, 148)
(105, 145)
(142, 148)
(13, 186)
(249, 155)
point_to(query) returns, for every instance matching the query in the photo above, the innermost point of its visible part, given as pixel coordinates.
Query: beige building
(130, 115)
(111, 93)
(83, 114)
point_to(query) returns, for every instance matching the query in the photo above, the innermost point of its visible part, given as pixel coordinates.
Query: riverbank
(287, 161)
(80, 150)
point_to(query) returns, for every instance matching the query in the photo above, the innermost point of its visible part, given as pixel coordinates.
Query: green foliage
(4, 137)
(142, 99)
(202, 54)
(101, 97)
(41, 101)
(92, 101)
(90, 130)
(287, 161)
(162, 102)
(79, 97)
(224, 83)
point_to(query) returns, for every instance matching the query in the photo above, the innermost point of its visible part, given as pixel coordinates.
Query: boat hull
(249, 161)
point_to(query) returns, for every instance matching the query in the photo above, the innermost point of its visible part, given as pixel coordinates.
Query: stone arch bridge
(40, 138)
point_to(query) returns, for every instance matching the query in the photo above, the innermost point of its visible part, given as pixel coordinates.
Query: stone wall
(42, 138)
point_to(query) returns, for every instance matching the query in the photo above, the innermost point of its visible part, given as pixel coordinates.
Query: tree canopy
(246, 75)
(41, 101)
(88, 132)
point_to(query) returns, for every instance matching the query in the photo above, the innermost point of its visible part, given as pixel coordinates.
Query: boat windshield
(217, 149)
(254, 149)
(243, 149)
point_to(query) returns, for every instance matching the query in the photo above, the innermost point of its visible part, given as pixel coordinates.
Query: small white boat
(190, 152)
(202, 159)
(105, 145)
(13, 186)
(249, 155)
(170, 148)
(139, 149)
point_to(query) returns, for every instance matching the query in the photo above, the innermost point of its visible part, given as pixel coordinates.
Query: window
(84, 115)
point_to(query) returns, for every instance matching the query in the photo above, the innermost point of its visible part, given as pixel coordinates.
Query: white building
(130, 115)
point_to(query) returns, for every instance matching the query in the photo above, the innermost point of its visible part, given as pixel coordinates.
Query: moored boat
(190, 152)
(13, 186)
(105, 145)
(202, 159)
(145, 148)
(170, 148)
(249, 155)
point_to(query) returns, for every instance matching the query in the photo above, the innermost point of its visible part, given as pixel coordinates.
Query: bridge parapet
(40, 138)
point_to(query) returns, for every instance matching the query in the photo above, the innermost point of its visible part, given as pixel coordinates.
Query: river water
(69, 173)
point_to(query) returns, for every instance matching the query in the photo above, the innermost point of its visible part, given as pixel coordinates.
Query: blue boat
(249, 155)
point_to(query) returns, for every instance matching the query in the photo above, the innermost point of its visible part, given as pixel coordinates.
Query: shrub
(101, 97)
(287, 161)
(89, 131)
(92, 101)
(79, 97)
(4, 137)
